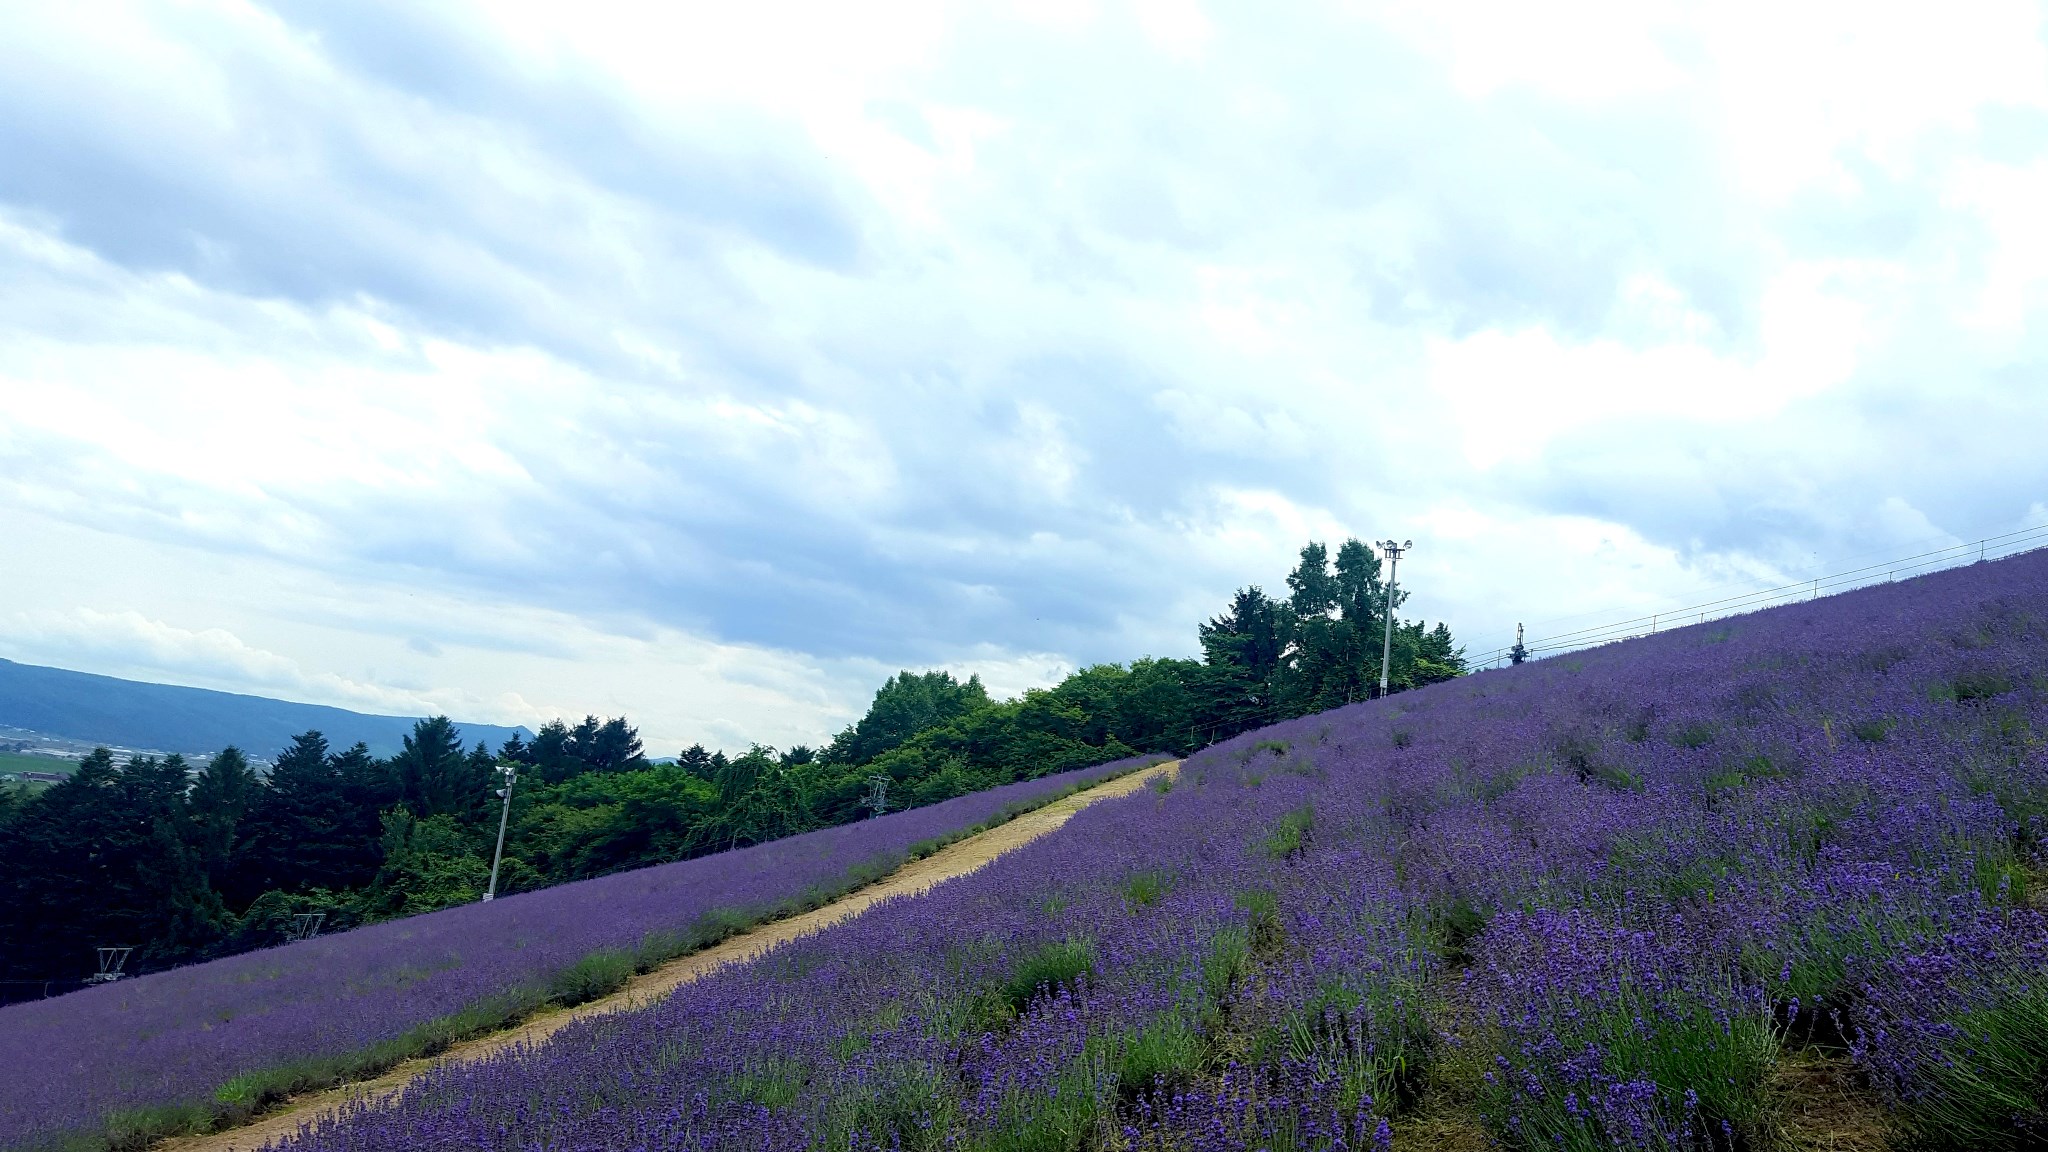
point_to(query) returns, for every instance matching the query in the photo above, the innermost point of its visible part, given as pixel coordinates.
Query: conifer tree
(222, 796)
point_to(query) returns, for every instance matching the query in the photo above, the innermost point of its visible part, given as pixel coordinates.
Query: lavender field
(1665, 894)
(186, 1046)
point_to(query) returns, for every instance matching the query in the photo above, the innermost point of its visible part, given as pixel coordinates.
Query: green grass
(1694, 736)
(1291, 835)
(1144, 889)
(1043, 972)
(20, 762)
(1659, 1037)
(1996, 1069)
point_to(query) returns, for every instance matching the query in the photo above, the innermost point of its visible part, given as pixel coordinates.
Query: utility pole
(504, 817)
(1393, 552)
(1517, 654)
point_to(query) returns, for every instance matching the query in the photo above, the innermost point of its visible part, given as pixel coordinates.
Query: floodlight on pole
(1393, 552)
(304, 926)
(504, 818)
(113, 958)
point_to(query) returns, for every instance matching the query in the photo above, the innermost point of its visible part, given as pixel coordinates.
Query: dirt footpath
(954, 860)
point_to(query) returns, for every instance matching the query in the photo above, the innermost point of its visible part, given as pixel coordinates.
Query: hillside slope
(912, 879)
(172, 718)
(209, 1042)
(1768, 882)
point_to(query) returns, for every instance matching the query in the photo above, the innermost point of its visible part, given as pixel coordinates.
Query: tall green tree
(1361, 599)
(222, 796)
(559, 751)
(1241, 654)
(906, 704)
(437, 778)
(315, 826)
(696, 761)
(107, 857)
(429, 862)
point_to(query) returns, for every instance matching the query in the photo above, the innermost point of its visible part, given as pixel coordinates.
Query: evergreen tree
(696, 761)
(1361, 599)
(368, 784)
(1312, 590)
(58, 860)
(550, 753)
(1241, 652)
(164, 888)
(107, 857)
(435, 776)
(225, 792)
(559, 751)
(613, 746)
(307, 831)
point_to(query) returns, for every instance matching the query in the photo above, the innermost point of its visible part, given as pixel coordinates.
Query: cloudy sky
(709, 364)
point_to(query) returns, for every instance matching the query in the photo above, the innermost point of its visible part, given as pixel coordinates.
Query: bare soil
(1822, 1108)
(953, 861)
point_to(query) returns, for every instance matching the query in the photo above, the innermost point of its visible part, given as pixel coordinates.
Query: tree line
(186, 864)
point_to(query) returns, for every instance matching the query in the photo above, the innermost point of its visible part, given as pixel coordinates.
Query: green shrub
(1261, 907)
(1694, 735)
(1975, 685)
(1224, 967)
(1291, 836)
(1734, 775)
(1458, 924)
(1144, 889)
(1163, 1054)
(1044, 971)
(1371, 1032)
(595, 976)
(1989, 1089)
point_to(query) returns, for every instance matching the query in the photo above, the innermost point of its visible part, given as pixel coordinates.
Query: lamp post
(1393, 552)
(504, 818)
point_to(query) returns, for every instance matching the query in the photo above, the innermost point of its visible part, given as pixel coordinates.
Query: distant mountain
(169, 718)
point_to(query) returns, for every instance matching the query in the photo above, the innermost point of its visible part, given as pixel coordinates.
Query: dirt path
(954, 860)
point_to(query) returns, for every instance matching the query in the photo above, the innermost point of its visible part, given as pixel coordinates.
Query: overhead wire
(2005, 544)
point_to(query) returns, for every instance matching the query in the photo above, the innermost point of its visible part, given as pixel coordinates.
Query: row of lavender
(195, 1034)
(1594, 900)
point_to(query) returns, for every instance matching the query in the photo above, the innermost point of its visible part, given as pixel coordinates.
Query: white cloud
(708, 363)
(139, 646)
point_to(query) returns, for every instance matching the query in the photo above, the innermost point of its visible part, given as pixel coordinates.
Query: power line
(1706, 590)
(2001, 545)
